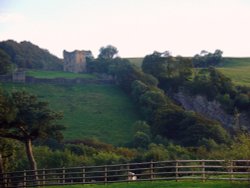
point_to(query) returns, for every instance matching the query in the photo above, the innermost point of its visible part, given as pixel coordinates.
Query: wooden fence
(234, 170)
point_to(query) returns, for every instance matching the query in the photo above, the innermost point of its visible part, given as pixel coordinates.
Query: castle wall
(75, 61)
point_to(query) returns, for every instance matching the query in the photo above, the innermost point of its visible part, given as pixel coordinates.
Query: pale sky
(135, 27)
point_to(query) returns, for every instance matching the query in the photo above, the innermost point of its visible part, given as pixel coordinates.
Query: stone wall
(18, 76)
(75, 61)
(32, 80)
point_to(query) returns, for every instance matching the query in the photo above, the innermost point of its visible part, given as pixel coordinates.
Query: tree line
(25, 55)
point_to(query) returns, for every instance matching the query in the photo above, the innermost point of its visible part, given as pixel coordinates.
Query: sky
(135, 27)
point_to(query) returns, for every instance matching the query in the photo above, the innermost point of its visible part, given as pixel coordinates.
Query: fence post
(231, 170)
(63, 175)
(5, 180)
(176, 170)
(43, 177)
(24, 178)
(105, 174)
(128, 172)
(83, 175)
(151, 170)
(203, 171)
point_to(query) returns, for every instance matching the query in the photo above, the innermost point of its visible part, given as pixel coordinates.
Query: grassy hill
(93, 111)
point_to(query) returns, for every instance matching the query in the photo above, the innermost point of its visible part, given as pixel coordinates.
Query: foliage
(216, 86)
(5, 63)
(10, 150)
(141, 140)
(26, 120)
(107, 52)
(207, 59)
(28, 55)
(164, 66)
(156, 153)
(238, 149)
(30, 119)
(170, 71)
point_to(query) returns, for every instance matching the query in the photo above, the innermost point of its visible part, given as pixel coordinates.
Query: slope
(93, 111)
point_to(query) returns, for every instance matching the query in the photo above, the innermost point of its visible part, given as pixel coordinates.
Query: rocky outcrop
(75, 61)
(210, 109)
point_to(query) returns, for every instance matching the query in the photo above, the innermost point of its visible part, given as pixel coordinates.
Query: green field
(165, 184)
(238, 69)
(94, 111)
(57, 74)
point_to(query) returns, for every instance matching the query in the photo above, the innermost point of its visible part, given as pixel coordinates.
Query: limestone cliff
(210, 109)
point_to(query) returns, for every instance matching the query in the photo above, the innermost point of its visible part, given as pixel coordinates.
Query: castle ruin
(76, 61)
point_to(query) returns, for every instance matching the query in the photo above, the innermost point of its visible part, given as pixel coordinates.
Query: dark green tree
(27, 55)
(25, 118)
(107, 52)
(207, 59)
(141, 140)
(5, 62)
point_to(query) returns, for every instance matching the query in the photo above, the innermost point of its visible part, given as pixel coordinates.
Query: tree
(5, 62)
(25, 118)
(206, 59)
(107, 52)
(27, 55)
(141, 140)
(155, 64)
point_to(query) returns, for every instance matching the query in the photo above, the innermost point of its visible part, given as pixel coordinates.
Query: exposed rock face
(210, 109)
(75, 61)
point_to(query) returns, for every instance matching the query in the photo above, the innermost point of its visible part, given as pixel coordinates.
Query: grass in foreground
(57, 74)
(170, 184)
(94, 111)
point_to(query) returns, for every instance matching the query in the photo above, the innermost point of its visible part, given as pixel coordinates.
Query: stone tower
(75, 61)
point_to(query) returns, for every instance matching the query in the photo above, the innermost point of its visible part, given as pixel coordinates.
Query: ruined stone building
(76, 61)
(18, 76)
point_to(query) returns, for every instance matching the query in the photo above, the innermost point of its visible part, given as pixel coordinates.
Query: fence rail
(233, 170)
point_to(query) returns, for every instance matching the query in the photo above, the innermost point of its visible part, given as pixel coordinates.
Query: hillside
(238, 69)
(27, 55)
(93, 111)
